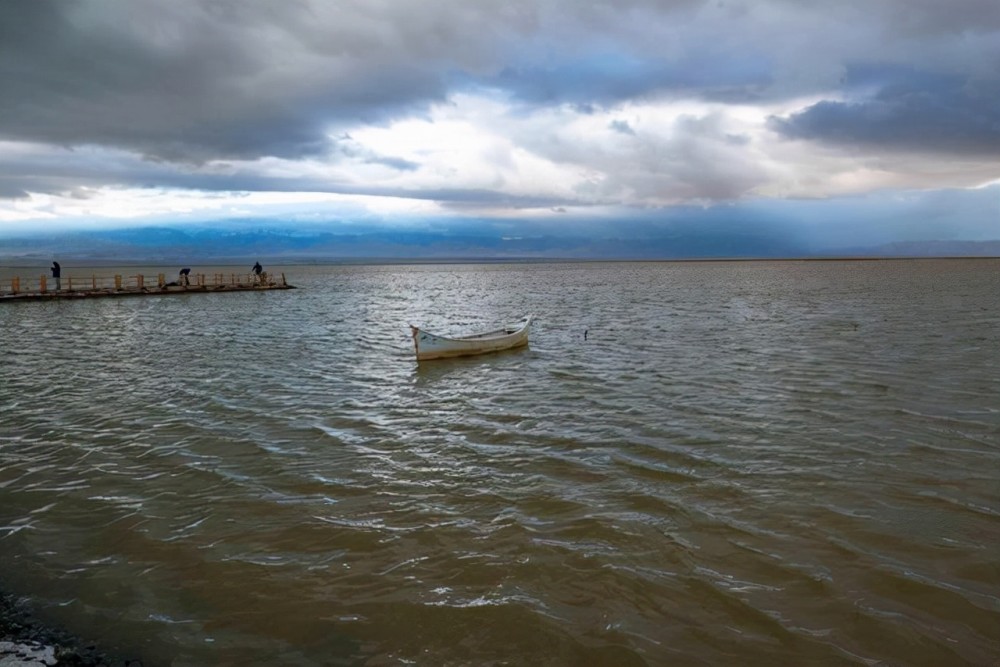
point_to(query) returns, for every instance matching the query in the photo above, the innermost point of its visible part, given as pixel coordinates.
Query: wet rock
(14, 654)
(27, 642)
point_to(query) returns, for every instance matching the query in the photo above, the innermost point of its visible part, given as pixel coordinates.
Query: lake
(751, 463)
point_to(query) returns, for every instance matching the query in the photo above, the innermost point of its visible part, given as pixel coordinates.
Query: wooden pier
(93, 286)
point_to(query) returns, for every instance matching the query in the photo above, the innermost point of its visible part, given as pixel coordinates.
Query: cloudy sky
(846, 115)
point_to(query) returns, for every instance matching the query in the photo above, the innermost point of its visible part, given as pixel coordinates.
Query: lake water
(752, 463)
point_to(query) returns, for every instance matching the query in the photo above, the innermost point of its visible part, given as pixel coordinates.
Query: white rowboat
(431, 346)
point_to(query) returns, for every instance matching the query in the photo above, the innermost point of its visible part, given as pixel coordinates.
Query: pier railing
(138, 283)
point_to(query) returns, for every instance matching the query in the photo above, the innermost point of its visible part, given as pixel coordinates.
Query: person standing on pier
(57, 274)
(185, 272)
(257, 270)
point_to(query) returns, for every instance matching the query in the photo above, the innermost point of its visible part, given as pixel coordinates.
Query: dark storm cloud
(908, 110)
(10, 190)
(191, 82)
(197, 81)
(168, 92)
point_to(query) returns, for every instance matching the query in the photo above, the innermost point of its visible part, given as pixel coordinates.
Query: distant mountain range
(930, 249)
(174, 245)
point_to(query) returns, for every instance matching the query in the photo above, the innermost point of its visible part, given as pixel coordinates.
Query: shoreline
(27, 641)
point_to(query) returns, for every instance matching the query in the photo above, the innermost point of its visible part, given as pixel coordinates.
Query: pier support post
(140, 280)
(42, 284)
(118, 282)
(160, 280)
(93, 282)
(15, 285)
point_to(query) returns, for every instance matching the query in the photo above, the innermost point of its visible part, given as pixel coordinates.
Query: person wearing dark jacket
(57, 274)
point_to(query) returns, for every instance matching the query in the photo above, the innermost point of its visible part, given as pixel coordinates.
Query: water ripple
(751, 463)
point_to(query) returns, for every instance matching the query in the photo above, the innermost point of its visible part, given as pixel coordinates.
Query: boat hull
(430, 346)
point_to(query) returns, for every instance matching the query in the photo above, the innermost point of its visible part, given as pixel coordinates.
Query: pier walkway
(85, 287)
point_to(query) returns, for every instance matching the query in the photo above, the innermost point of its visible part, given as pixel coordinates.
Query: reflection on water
(743, 463)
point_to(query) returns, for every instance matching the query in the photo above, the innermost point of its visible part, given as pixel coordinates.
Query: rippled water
(751, 463)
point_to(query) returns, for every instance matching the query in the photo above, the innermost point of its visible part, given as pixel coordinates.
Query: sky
(849, 121)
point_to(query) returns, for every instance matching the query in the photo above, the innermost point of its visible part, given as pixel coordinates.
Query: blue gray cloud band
(906, 109)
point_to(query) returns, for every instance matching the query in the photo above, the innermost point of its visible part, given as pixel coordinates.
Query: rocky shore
(27, 642)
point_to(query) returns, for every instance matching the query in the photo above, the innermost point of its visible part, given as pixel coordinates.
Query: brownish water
(751, 463)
